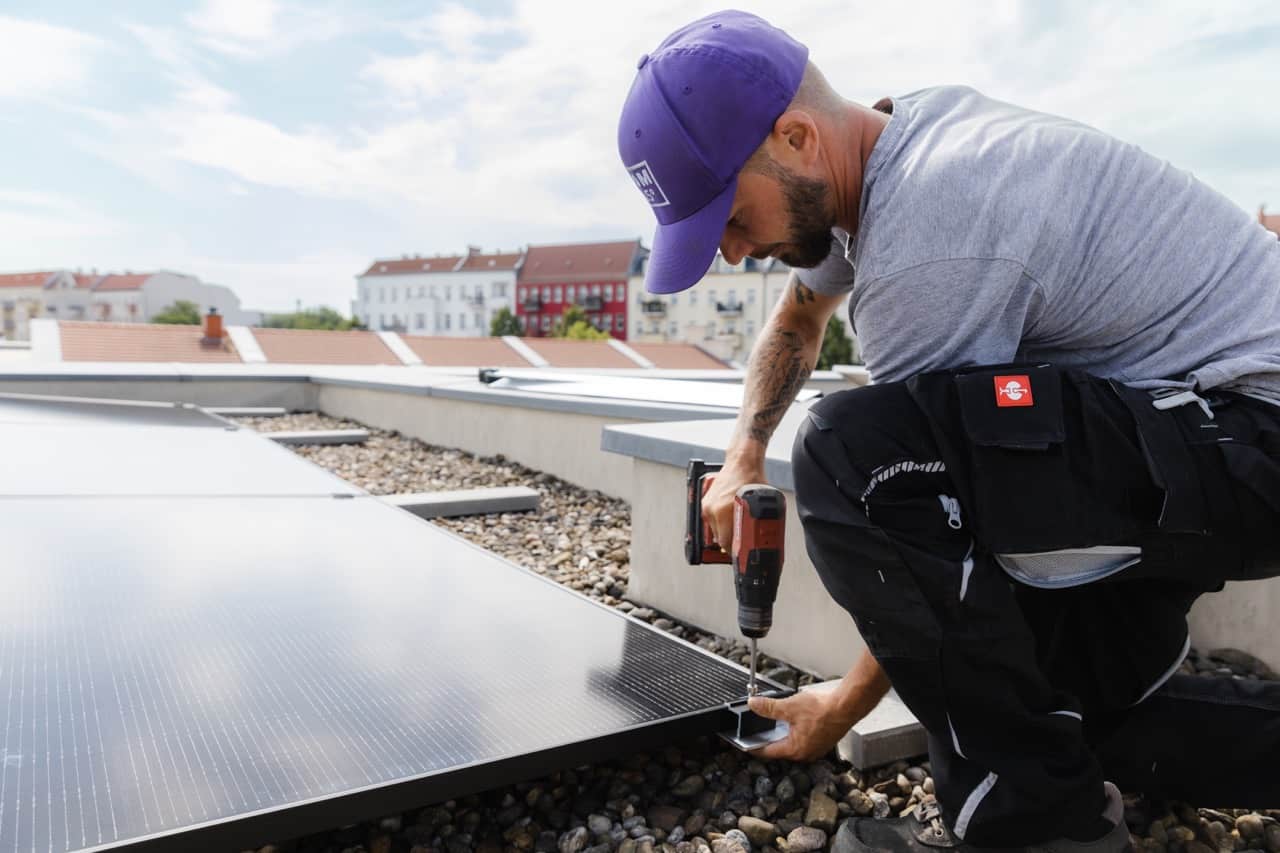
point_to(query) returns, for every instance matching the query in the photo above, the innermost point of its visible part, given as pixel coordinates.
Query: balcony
(474, 300)
(653, 308)
(532, 304)
(590, 303)
(729, 309)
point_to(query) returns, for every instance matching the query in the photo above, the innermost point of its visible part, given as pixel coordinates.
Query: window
(608, 293)
(422, 321)
(382, 297)
(382, 321)
(447, 317)
(433, 291)
(595, 290)
(546, 322)
(608, 322)
(448, 292)
(733, 296)
(500, 288)
(639, 327)
(568, 293)
(673, 328)
(730, 328)
(711, 296)
(559, 294)
(674, 298)
(751, 327)
(524, 323)
(751, 297)
(393, 294)
(693, 297)
(546, 293)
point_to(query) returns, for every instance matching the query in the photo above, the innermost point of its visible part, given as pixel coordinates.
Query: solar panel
(214, 672)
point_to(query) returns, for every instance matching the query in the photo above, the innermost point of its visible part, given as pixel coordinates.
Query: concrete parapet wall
(295, 395)
(564, 444)
(809, 629)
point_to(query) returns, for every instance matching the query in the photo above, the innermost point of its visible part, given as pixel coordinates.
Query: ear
(794, 141)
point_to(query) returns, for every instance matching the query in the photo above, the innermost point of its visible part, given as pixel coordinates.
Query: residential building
(22, 299)
(120, 298)
(451, 295)
(723, 313)
(594, 276)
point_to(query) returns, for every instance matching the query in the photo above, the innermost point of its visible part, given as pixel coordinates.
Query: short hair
(814, 95)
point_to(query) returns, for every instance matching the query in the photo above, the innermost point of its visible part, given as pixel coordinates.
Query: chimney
(213, 333)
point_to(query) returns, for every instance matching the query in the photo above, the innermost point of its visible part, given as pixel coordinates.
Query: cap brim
(683, 251)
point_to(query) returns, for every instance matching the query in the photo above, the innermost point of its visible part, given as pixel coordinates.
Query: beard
(809, 234)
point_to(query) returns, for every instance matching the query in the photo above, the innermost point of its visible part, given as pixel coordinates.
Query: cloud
(498, 127)
(253, 29)
(39, 59)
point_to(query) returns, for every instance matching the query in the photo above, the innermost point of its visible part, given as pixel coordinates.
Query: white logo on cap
(648, 184)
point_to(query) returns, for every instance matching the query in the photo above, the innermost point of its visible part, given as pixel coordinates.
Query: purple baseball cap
(700, 106)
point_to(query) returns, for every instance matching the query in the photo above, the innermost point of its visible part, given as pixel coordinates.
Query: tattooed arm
(782, 360)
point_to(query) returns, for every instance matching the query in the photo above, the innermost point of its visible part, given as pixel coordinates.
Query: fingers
(767, 706)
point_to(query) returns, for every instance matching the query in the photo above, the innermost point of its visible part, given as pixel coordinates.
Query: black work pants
(962, 535)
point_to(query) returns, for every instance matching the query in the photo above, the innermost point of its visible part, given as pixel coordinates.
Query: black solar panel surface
(178, 667)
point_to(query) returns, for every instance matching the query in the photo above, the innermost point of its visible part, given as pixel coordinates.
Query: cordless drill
(759, 520)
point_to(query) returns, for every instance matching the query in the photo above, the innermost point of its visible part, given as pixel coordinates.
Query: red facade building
(593, 276)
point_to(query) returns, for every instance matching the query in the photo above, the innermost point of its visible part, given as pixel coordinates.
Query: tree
(837, 347)
(504, 323)
(320, 317)
(573, 324)
(181, 313)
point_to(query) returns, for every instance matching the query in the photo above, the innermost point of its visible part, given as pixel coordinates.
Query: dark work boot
(923, 831)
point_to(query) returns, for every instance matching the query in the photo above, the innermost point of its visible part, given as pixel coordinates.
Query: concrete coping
(676, 443)
(449, 504)
(319, 436)
(248, 411)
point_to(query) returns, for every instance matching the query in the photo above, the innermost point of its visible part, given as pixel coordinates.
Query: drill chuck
(754, 622)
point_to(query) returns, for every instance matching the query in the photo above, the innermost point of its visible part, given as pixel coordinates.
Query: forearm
(861, 689)
(780, 364)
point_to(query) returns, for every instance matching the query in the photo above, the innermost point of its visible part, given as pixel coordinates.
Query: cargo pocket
(1021, 482)
(1038, 484)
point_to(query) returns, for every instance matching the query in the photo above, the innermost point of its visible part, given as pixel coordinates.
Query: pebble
(759, 832)
(574, 840)
(599, 824)
(806, 839)
(822, 812)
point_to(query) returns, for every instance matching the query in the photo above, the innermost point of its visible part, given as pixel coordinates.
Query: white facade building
(723, 313)
(444, 295)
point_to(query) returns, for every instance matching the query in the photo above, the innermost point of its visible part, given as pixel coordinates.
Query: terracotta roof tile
(566, 353)
(677, 356)
(24, 279)
(411, 265)
(85, 281)
(464, 352)
(133, 281)
(305, 346)
(498, 261)
(140, 342)
(579, 262)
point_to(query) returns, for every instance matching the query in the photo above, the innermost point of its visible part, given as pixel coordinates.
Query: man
(1018, 543)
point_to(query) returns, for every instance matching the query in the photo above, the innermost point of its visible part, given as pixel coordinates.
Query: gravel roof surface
(696, 797)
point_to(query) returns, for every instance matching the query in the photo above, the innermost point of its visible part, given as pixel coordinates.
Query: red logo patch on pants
(1013, 391)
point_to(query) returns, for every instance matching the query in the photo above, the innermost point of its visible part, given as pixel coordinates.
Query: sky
(279, 147)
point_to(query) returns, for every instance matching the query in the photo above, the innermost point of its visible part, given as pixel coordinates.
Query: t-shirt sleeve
(834, 276)
(945, 314)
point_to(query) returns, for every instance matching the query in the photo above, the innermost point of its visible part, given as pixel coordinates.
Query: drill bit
(752, 687)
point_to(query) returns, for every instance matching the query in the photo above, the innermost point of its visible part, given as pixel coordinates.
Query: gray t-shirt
(990, 233)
